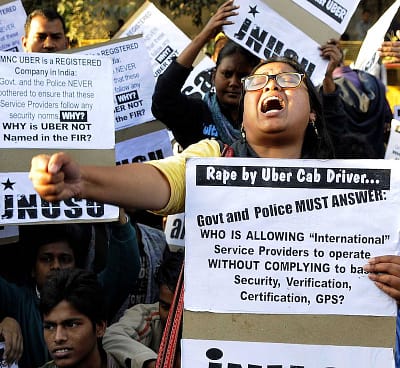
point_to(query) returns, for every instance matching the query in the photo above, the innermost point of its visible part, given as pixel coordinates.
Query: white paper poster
(275, 37)
(152, 146)
(236, 354)
(175, 231)
(20, 204)
(12, 20)
(393, 147)
(162, 37)
(368, 56)
(335, 13)
(289, 236)
(133, 79)
(164, 40)
(56, 100)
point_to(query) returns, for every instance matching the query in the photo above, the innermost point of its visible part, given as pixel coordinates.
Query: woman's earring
(243, 133)
(312, 123)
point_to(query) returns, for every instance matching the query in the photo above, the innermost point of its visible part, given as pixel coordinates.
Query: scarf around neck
(227, 133)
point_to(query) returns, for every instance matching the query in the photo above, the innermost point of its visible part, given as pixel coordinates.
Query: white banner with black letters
(289, 236)
(151, 146)
(164, 41)
(132, 76)
(163, 38)
(276, 36)
(211, 353)
(12, 21)
(20, 204)
(335, 13)
(56, 100)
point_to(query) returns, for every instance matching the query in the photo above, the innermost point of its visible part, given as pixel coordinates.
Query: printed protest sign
(132, 76)
(138, 137)
(164, 40)
(12, 20)
(368, 56)
(151, 146)
(276, 37)
(393, 147)
(211, 353)
(294, 237)
(335, 13)
(19, 203)
(199, 81)
(54, 100)
(175, 231)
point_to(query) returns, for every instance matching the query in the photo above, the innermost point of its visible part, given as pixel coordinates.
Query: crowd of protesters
(56, 306)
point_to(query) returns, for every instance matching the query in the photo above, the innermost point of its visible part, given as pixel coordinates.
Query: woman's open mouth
(272, 103)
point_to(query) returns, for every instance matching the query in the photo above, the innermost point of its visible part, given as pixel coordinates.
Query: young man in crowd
(74, 320)
(64, 246)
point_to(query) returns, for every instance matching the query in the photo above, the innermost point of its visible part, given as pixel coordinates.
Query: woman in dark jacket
(217, 115)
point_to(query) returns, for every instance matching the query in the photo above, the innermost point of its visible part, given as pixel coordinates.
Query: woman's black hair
(231, 48)
(314, 146)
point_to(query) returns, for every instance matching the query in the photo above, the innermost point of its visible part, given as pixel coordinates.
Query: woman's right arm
(137, 185)
(153, 185)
